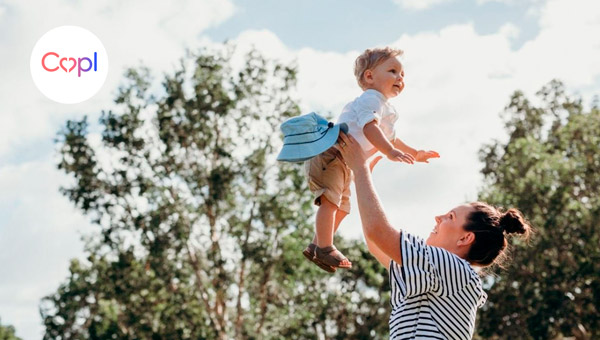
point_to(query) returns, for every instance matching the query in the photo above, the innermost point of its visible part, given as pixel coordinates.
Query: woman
(435, 290)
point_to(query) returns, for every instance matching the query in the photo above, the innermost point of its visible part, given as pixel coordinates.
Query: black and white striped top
(435, 294)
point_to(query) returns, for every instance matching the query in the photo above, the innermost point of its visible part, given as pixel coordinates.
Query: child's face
(387, 78)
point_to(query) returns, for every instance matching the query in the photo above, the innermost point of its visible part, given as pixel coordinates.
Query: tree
(549, 168)
(7, 332)
(200, 229)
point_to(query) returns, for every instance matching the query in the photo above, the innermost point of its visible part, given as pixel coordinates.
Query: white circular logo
(69, 64)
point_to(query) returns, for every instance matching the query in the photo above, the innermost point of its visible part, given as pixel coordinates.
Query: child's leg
(325, 223)
(339, 216)
(327, 179)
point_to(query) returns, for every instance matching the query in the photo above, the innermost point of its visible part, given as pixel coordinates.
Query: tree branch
(202, 288)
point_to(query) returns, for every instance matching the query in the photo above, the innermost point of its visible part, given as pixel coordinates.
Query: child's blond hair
(369, 59)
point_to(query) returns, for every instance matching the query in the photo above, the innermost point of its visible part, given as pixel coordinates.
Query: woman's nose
(438, 219)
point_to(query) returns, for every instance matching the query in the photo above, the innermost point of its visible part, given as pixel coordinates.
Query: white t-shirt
(369, 106)
(435, 294)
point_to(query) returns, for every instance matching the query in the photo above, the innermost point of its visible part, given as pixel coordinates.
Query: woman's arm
(374, 221)
(373, 249)
(378, 253)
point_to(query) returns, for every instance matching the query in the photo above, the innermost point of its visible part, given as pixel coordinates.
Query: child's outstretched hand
(424, 156)
(399, 156)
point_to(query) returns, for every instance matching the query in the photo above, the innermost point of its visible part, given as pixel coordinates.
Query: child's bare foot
(332, 257)
(309, 253)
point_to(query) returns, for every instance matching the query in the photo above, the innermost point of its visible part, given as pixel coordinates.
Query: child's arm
(398, 144)
(419, 155)
(381, 143)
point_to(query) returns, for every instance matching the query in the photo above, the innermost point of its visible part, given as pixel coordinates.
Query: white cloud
(507, 2)
(512, 2)
(320, 74)
(510, 31)
(153, 32)
(40, 231)
(571, 15)
(326, 80)
(420, 5)
(568, 46)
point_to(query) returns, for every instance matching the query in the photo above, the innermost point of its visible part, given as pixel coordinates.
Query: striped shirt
(435, 294)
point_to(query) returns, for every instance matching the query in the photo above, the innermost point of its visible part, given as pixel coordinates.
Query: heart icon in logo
(72, 67)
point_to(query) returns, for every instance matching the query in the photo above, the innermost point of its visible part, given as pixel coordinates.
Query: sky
(463, 59)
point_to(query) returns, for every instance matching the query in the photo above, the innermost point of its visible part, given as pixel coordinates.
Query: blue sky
(462, 59)
(351, 25)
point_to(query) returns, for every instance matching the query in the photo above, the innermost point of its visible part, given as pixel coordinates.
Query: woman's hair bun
(513, 222)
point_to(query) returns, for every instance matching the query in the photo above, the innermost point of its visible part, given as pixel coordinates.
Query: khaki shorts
(329, 176)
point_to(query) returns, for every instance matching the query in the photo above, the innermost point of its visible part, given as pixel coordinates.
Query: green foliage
(549, 170)
(7, 332)
(200, 228)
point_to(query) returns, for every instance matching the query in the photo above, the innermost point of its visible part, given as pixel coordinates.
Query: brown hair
(491, 226)
(369, 59)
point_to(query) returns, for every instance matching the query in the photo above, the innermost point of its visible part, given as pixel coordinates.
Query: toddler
(370, 119)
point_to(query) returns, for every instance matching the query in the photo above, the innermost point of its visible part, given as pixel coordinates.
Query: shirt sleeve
(427, 269)
(368, 109)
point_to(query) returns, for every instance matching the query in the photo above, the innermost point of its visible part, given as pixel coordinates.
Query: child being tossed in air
(370, 119)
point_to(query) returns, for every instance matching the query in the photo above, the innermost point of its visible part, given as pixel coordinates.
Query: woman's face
(449, 233)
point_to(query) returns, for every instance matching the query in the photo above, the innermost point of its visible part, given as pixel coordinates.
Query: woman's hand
(353, 154)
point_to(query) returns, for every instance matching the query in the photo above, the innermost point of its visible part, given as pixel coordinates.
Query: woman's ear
(467, 239)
